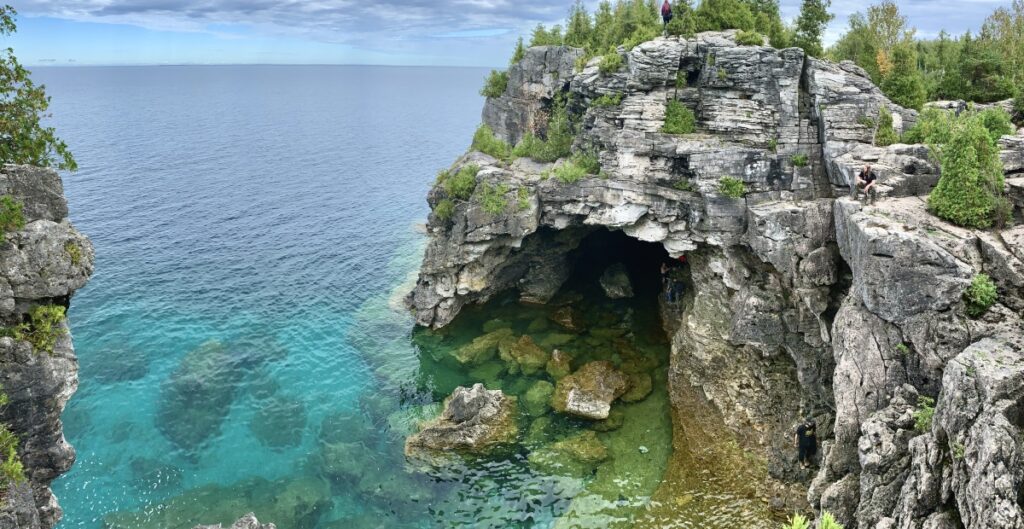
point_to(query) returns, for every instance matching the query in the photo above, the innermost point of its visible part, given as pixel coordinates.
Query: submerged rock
(248, 521)
(537, 399)
(116, 365)
(279, 422)
(568, 318)
(576, 455)
(615, 282)
(589, 392)
(524, 356)
(640, 386)
(475, 420)
(482, 348)
(560, 364)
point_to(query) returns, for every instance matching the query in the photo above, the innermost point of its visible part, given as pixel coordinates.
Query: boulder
(474, 420)
(590, 391)
(576, 455)
(615, 282)
(482, 348)
(537, 399)
(568, 318)
(559, 365)
(248, 521)
(524, 356)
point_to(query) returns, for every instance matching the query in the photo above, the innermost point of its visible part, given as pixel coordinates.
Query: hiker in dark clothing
(807, 442)
(666, 12)
(866, 180)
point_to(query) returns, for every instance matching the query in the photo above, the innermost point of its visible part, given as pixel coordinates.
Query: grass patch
(722, 74)
(495, 85)
(799, 160)
(731, 187)
(486, 142)
(681, 79)
(460, 185)
(924, 413)
(12, 216)
(684, 185)
(980, 296)
(611, 62)
(608, 100)
(74, 252)
(523, 198)
(494, 199)
(558, 143)
(903, 349)
(773, 145)
(679, 119)
(580, 166)
(42, 330)
(11, 470)
(445, 209)
(798, 521)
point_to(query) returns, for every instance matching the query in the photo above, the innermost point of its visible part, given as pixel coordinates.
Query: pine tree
(903, 83)
(810, 26)
(578, 31)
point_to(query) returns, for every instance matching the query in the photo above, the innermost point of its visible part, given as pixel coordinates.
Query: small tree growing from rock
(980, 296)
(972, 176)
(886, 134)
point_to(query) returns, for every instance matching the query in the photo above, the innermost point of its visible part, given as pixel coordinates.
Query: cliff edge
(41, 264)
(802, 302)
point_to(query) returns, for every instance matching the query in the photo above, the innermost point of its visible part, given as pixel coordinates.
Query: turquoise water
(242, 344)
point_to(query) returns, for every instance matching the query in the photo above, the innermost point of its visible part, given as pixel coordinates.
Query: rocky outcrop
(43, 263)
(475, 420)
(802, 302)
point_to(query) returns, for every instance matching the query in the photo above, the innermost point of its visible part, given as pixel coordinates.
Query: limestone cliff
(802, 303)
(43, 263)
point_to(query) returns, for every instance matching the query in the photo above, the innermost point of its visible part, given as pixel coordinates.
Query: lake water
(242, 343)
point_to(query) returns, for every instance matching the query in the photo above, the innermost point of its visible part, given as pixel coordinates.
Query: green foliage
(523, 198)
(608, 100)
(11, 470)
(43, 328)
(933, 127)
(828, 521)
(797, 522)
(924, 413)
(495, 84)
(972, 176)
(558, 143)
(486, 142)
(682, 25)
(980, 296)
(867, 122)
(959, 450)
(679, 119)
(810, 26)
(519, 52)
(773, 145)
(903, 83)
(578, 27)
(588, 161)
(684, 185)
(978, 74)
(722, 74)
(445, 209)
(681, 79)
(611, 62)
(74, 252)
(903, 348)
(732, 187)
(569, 172)
(886, 134)
(494, 198)
(718, 15)
(799, 160)
(1018, 107)
(460, 186)
(546, 37)
(750, 38)
(12, 217)
(997, 122)
(23, 138)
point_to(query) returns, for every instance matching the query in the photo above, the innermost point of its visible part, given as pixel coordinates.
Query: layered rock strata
(802, 303)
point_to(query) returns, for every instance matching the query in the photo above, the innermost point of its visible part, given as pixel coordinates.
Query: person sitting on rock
(666, 12)
(806, 442)
(867, 180)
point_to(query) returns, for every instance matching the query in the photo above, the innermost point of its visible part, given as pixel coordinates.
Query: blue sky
(406, 32)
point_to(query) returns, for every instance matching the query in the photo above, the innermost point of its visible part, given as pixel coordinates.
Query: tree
(972, 176)
(978, 74)
(519, 53)
(1004, 29)
(23, 106)
(903, 83)
(768, 21)
(718, 15)
(810, 26)
(578, 31)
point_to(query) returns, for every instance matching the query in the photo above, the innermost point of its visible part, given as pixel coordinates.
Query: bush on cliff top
(610, 63)
(495, 85)
(494, 198)
(23, 138)
(749, 38)
(679, 119)
(444, 209)
(43, 328)
(971, 184)
(886, 134)
(460, 185)
(558, 143)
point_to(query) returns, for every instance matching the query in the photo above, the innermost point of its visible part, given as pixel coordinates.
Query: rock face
(804, 302)
(615, 282)
(474, 420)
(43, 263)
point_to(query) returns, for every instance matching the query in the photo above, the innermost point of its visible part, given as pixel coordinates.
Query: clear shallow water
(242, 344)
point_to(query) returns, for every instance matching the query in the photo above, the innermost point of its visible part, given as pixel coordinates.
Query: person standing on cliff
(666, 12)
(807, 442)
(866, 179)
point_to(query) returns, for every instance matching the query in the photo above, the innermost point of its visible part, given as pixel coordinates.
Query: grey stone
(615, 282)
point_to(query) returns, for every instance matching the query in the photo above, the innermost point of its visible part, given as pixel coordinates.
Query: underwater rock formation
(590, 391)
(800, 302)
(475, 420)
(43, 263)
(248, 521)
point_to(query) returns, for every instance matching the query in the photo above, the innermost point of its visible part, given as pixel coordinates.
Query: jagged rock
(474, 420)
(248, 521)
(590, 391)
(615, 282)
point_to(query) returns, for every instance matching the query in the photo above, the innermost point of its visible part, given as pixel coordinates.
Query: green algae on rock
(589, 392)
(523, 356)
(475, 420)
(537, 400)
(577, 455)
(483, 348)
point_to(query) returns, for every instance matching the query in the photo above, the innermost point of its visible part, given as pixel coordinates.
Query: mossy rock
(538, 325)
(537, 400)
(640, 386)
(560, 364)
(489, 373)
(482, 348)
(524, 356)
(616, 418)
(410, 418)
(577, 455)
(568, 318)
(496, 324)
(608, 334)
(557, 340)
(539, 431)
(590, 391)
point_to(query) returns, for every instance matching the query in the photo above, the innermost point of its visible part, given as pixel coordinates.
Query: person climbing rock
(807, 442)
(666, 12)
(866, 179)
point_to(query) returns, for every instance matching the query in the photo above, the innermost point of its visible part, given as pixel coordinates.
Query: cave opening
(602, 249)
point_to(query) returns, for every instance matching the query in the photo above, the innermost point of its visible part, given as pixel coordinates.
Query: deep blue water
(271, 209)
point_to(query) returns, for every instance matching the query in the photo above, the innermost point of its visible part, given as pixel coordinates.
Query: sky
(398, 32)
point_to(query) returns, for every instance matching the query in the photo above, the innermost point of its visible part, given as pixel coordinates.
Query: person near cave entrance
(673, 280)
(807, 442)
(666, 12)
